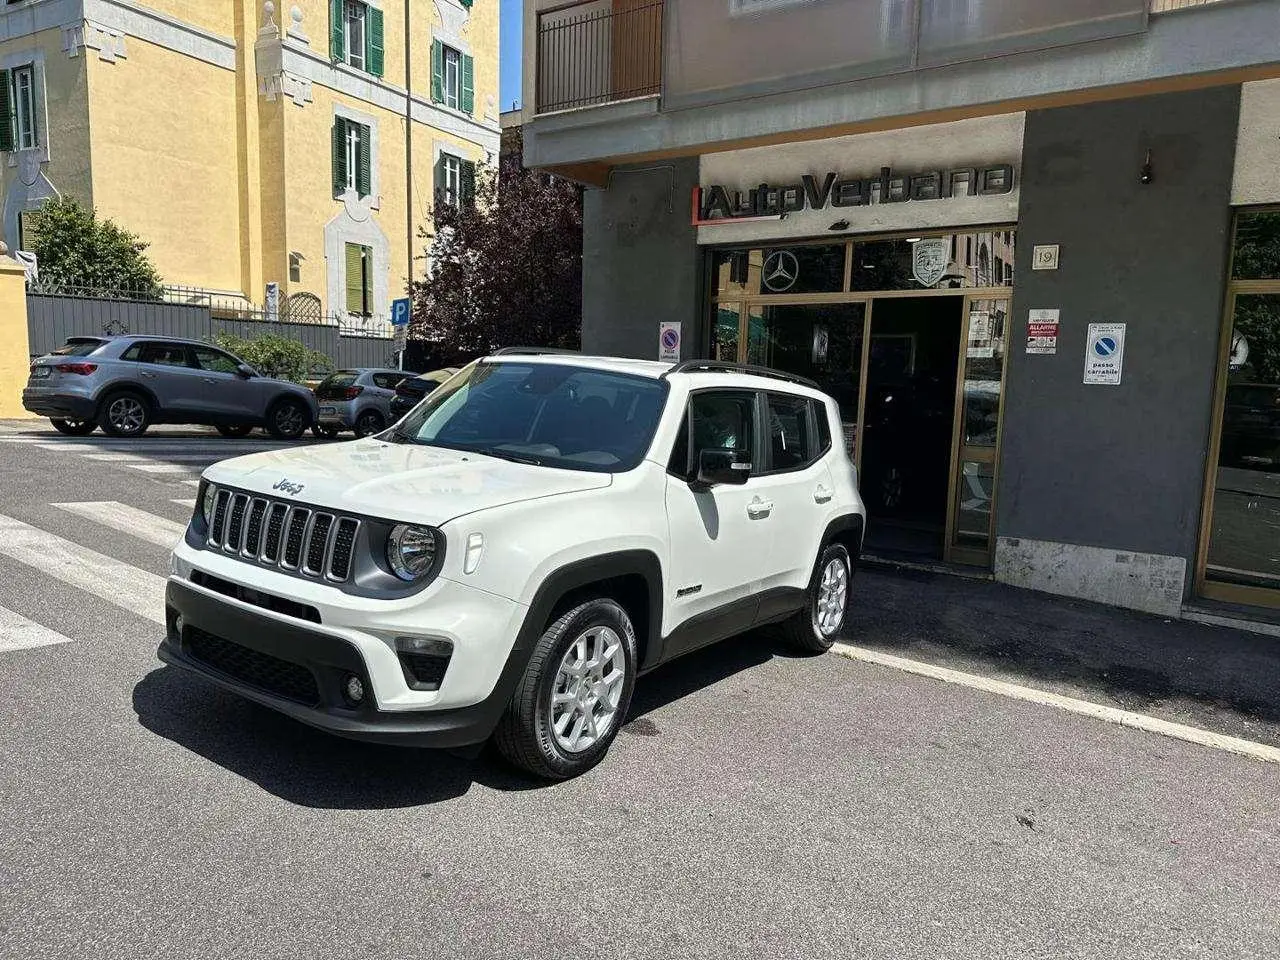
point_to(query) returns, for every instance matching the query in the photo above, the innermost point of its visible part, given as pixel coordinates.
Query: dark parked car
(125, 384)
(411, 391)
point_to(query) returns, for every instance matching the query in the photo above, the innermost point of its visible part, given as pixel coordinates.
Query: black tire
(125, 413)
(807, 631)
(288, 419)
(74, 428)
(320, 430)
(236, 430)
(369, 423)
(525, 735)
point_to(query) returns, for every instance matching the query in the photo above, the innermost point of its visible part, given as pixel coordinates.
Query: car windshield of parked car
(547, 414)
(78, 348)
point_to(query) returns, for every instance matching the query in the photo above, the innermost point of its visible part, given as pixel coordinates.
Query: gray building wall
(1119, 469)
(640, 263)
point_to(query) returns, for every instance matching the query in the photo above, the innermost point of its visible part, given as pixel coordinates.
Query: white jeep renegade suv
(505, 561)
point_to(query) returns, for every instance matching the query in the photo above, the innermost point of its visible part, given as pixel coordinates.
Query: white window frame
(24, 107)
(353, 157)
(355, 11)
(349, 196)
(452, 77)
(451, 169)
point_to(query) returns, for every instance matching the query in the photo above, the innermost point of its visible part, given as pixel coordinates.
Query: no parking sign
(1104, 353)
(669, 342)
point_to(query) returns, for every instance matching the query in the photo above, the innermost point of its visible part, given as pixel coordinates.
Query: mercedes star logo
(781, 270)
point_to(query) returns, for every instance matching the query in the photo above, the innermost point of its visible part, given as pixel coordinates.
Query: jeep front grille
(279, 534)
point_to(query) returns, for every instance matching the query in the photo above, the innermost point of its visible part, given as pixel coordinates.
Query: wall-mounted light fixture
(1147, 174)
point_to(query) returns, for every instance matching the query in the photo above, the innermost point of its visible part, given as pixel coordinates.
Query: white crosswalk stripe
(159, 467)
(19, 633)
(185, 503)
(118, 583)
(130, 520)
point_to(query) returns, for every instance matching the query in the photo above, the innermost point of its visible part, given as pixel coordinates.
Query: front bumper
(301, 672)
(59, 406)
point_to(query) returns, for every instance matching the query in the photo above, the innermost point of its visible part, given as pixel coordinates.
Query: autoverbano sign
(719, 204)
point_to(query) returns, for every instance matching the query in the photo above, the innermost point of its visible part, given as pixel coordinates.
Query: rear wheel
(125, 414)
(235, 430)
(574, 694)
(288, 419)
(369, 422)
(74, 428)
(815, 628)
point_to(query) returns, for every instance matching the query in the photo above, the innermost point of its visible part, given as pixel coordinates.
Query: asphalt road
(755, 804)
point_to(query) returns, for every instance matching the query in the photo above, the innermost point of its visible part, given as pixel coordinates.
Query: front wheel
(574, 694)
(815, 628)
(74, 428)
(288, 420)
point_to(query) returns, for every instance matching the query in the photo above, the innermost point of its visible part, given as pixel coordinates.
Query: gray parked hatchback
(358, 400)
(125, 384)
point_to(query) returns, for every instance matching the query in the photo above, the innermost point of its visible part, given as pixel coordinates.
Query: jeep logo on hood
(292, 489)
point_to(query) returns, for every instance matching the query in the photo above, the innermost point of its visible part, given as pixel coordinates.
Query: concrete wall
(1120, 468)
(640, 263)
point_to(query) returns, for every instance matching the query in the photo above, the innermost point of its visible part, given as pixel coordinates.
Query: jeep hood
(405, 482)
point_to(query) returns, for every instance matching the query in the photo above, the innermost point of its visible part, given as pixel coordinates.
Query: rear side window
(792, 434)
(824, 427)
(339, 380)
(161, 354)
(387, 381)
(78, 347)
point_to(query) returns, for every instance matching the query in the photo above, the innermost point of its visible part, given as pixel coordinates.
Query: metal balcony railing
(1168, 6)
(599, 51)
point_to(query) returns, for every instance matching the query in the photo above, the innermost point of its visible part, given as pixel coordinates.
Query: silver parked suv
(357, 400)
(125, 384)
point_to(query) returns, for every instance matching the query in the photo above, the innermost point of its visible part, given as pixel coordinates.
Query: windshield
(78, 348)
(551, 415)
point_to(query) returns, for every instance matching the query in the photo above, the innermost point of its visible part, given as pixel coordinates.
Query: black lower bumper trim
(329, 659)
(58, 407)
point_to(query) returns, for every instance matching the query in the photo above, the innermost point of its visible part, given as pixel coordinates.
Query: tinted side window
(792, 443)
(387, 381)
(214, 360)
(164, 354)
(722, 420)
(824, 426)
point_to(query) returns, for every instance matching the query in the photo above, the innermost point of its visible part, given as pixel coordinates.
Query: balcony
(597, 52)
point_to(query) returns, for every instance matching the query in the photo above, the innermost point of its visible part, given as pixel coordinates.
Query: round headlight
(411, 551)
(210, 498)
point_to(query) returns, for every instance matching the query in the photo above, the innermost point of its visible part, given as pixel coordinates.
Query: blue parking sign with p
(400, 312)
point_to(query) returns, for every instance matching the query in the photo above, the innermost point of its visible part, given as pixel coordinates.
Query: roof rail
(531, 351)
(724, 366)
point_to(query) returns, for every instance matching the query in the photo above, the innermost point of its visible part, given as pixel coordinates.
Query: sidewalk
(1223, 680)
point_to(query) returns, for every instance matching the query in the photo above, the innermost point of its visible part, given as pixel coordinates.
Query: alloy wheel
(832, 598)
(587, 689)
(289, 419)
(126, 414)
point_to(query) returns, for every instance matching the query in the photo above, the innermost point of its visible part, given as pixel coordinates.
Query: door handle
(822, 494)
(758, 508)
(209, 379)
(147, 376)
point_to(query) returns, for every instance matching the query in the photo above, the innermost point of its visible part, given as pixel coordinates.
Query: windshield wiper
(509, 455)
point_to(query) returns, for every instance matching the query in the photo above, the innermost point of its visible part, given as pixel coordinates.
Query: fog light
(426, 646)
(353, 689)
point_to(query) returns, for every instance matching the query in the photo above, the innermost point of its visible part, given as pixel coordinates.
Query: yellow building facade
(299, 143)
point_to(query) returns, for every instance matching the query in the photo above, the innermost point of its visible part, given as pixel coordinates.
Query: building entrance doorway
(908, 423)
(916, 367)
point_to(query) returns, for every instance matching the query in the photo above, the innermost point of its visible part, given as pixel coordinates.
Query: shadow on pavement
(315, 769)
(1138, 661)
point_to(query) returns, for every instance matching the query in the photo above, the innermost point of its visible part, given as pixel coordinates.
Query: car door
(384, 389)
(719, 536)
(228, 395)
(167, 370)
(796, 485)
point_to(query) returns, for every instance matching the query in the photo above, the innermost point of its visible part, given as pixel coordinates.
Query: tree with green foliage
(77, 249)
(276, 356)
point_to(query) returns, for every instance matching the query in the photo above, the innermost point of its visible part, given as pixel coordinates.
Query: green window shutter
(364, 174)
(339, 156)
(37, 103)
(373, 41)
(337, 31)
(468, 189)
(6, 112)
(355, 278)
(437, 72)
(466, 3)
(467, 95)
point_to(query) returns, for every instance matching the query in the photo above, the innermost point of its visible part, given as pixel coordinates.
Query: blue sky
(511, 21)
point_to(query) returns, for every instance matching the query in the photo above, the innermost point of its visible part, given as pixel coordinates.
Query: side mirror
(244, 371)
(723, 466)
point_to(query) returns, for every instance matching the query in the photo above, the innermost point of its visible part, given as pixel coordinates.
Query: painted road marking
(190, 483)
(159, 467)
(19, 633)
(118, 583)
(185, 503)
(1125, 718)
(130, 520)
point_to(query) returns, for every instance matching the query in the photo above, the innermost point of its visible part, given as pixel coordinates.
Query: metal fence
(52, 319)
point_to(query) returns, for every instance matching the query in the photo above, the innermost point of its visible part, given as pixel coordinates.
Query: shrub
(276, 356)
